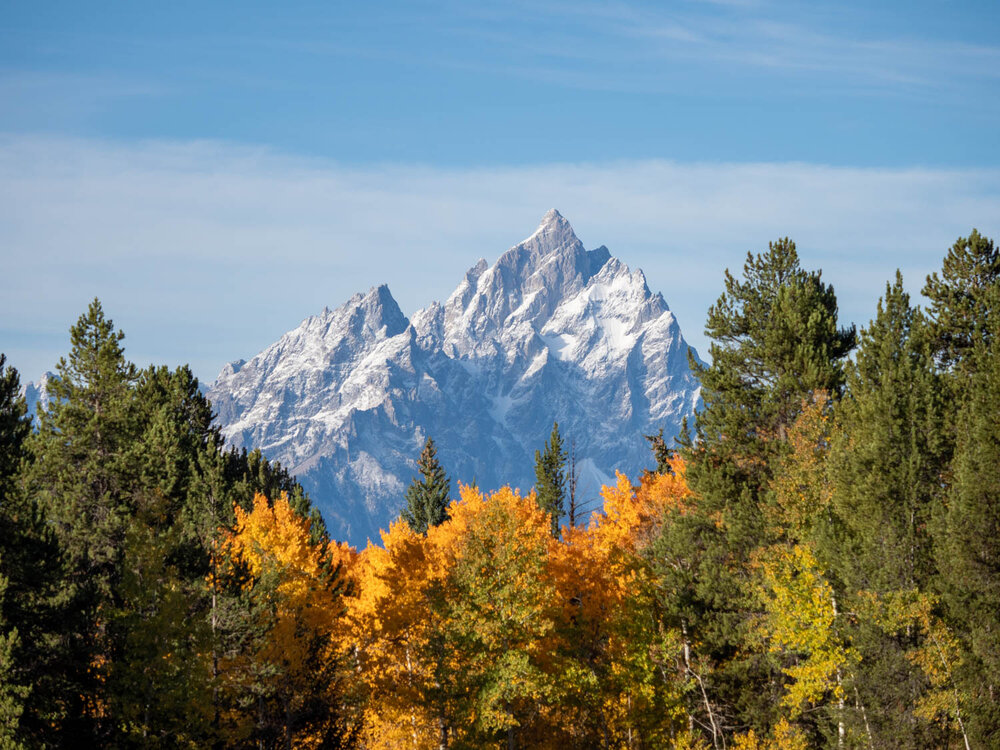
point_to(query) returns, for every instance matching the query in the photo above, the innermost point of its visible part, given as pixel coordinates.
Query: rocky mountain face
(551, 331)
(37, 395)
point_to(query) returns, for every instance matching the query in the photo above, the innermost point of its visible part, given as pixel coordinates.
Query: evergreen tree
(15, 689)
(962, 307)
(775, 340)
(964, 313)
(550, 478)
(83, 478)
(886, 460)
(968, 534)
(427, 497)
(891, 450)
(661, 452)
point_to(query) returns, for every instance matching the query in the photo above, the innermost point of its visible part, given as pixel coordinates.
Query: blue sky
(217, 171)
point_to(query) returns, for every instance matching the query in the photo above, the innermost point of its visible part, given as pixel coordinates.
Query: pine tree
(964, 314)
(886, 460)
(550, 478)
(84, 450)
(82, 476)
(661, 452)
(38, 616)
(968, 534)
(15, 690)
(891, 451)
(427, 497)
(775, 340)
(962, 306)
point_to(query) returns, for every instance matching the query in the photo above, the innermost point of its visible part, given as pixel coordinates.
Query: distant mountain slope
(37, 395)
(551, 331)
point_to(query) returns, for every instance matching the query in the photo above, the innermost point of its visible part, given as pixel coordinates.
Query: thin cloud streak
(733, 36)
(206, 252)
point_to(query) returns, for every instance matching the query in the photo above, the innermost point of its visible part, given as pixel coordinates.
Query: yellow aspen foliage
(783, 736)
(449, 629)
(801, 489)
(800, 620)
(293, 585)
(936, 652)
(275, 537)
(618, 680)
(487, 629)
(390, 628)
(688, 741)
(504, 606)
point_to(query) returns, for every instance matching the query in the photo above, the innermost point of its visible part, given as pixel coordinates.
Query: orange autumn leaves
(486, 628)
(293, 587)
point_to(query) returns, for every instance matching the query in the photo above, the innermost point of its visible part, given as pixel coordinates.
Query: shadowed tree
(550, 479)
(427, 497)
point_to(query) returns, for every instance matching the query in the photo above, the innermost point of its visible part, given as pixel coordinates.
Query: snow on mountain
(551, 331)
(37, 395)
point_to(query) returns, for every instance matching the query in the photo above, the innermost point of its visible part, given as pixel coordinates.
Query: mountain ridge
(550, 331)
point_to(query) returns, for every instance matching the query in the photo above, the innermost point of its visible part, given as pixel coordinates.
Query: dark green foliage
(15, 426)
(661, 452)
(964, 315)
(130, 477)
(159, 686)
(85, 451)
(83, 477)
(15, 688)
(963, 311)
(427, 497)
(968, 535)
(891, 451)
(886, 460)
(550, 478)
(37, 612)
(775, 340)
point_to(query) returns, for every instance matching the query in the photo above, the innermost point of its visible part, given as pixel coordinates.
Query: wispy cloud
(205, 252)
(739, 38)
(49, 99)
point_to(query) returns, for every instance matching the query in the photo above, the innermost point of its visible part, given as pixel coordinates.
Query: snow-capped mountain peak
(550, 331)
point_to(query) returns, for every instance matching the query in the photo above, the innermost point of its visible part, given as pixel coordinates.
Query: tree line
(816, 563)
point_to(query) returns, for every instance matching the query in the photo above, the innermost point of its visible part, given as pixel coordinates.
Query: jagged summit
(554, 234)
(550, 331)
(554, 230)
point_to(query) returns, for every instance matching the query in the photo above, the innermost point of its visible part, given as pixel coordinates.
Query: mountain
(551, 331)
(37, 395)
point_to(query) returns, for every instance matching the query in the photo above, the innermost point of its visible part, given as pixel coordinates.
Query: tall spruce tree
(962, 308)
(886, 460)
(32, 618)
(968, 545)
(83, 478)
(14, 428)
(550, 478)
(427, 497)
(965, 318)
(775, 340)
